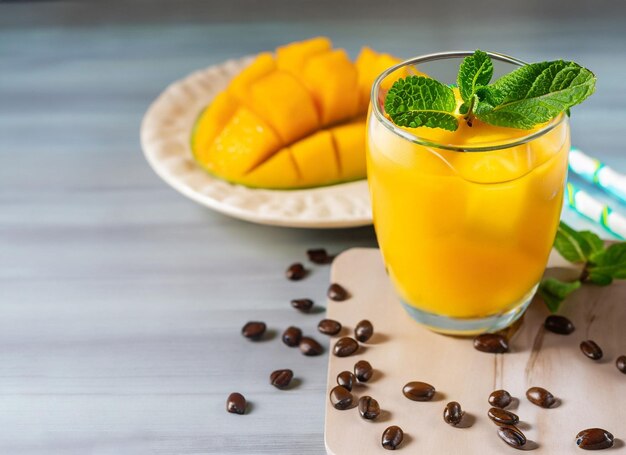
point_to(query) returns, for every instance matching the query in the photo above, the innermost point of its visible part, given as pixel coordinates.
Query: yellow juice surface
(466, 234)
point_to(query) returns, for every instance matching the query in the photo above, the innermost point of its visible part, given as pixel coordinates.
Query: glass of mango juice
(465, 219)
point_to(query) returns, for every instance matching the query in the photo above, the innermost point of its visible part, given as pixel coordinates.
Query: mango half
(293, 119)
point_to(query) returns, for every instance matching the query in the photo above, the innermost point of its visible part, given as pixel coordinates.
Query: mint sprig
(531, 95)
(421, 101)
(601, 265)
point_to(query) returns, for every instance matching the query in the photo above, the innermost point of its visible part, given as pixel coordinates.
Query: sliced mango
(293, 120)
(316, 159)
(278, 172)
(294, 56)
(245, 141)
(331, 78)
(260, 67)
(210, 122)
(284, 104)
(349, 140)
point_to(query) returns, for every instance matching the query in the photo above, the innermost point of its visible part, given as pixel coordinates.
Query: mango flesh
(293, 120)
(316, 159)
(211, 122)
(331, 77)
(349, 141)
(260, 67)
(367, 69)
(278, 172)
(370, 65)
(293, 57)
(245, 141)
(285, 104)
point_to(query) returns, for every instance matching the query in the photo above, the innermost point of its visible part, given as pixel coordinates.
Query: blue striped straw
(597, 173)
(588, 206)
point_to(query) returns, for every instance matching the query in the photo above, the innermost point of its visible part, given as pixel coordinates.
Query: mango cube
(245, 141)
(349, 140)
(260, 67)
(210, 122)
(316, 159)
(285, 104)
(332, 78)
(294, 56)
(278, 172)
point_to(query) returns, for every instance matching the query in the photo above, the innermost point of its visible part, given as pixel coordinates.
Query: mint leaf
(605, 265)
(554, 291)
(487, 98)
(421, 101)
(592, 242)
(599, 278)
(535, 93)
(475, 71)
(576, 246)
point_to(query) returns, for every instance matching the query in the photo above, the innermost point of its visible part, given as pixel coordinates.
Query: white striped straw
(597, 173)
(588, 206)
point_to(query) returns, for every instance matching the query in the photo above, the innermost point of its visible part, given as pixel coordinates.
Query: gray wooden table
(121, 301)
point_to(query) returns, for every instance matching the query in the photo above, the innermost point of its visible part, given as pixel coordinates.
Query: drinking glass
(465, 229)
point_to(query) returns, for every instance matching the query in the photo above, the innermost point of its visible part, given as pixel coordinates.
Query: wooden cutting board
(591, 393)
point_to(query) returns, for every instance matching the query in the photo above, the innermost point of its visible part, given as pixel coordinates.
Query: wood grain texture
(121, 300)
(402, 351)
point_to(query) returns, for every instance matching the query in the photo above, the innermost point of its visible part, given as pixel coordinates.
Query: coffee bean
(492, 343)
(295, 271)
(541, 397)
(254, 330)
(591, 349)
(594, 439)
(512, 436)
(368, 408)
(303, 305)
(363, 331)
(281, 378)
(345, 346)
(500, 399)
(559, 324)
(319, 256)
(392, 437)
(337, 292)
(292, 336)
(341, 398)
(346, 379)
(502, 417)
(452, 413)
(620, 363)
(363, 370)
(310, 347)
(236, 403)
(418, 391)
(329, 327)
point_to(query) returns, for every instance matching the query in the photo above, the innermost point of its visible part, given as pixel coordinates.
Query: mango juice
(466, 234)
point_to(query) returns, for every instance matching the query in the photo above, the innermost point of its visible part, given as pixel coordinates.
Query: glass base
(470, 326)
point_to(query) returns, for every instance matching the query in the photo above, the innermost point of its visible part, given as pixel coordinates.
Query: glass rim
(376, 107)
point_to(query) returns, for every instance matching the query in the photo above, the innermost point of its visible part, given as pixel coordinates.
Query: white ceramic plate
(165, 139)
